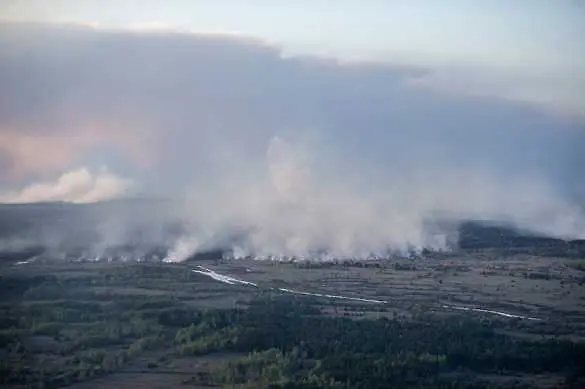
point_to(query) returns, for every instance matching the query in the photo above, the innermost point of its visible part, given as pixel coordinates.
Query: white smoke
(78, 186)
(182, 249)
(293, 206)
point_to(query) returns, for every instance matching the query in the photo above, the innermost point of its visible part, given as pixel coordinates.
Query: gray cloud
(364, 157)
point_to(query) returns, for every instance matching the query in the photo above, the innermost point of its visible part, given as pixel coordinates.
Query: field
(94, 325)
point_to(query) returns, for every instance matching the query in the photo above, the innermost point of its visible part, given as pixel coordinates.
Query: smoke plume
(300, 205)
(78, 186)
(273, 154)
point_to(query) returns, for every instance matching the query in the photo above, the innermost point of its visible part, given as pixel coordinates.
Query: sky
(501, 34)
(530, 48)
(369, 115)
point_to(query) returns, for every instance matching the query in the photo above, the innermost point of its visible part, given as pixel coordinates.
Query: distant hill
(478, 235)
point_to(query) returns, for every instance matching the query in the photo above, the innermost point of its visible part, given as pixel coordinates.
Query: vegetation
(54, 332)
(579, 265)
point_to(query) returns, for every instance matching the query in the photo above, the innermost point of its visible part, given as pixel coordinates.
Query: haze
(300, 129)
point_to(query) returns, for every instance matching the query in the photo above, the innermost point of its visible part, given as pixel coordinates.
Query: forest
(273, 341)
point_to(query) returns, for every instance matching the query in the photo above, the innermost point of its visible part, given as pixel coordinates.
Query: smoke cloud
(271, 155)
(301, 205)
(79, 186)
